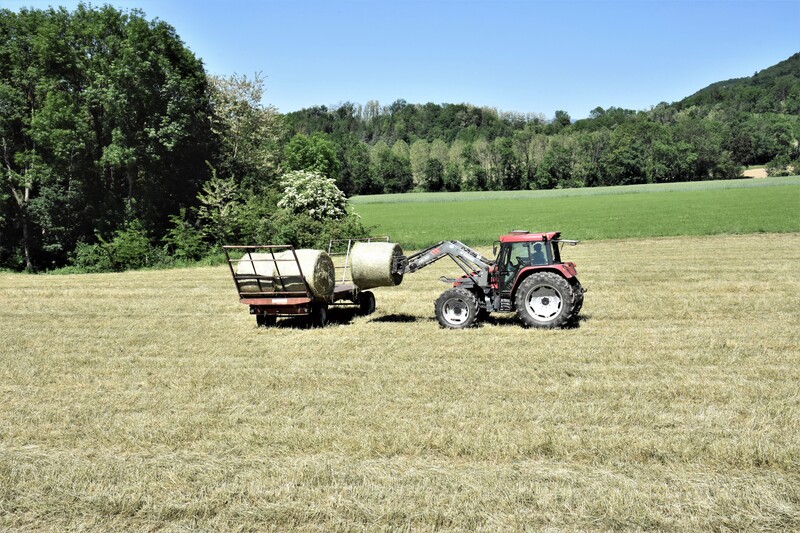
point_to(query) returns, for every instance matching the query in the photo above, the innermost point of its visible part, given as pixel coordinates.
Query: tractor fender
(565, 270)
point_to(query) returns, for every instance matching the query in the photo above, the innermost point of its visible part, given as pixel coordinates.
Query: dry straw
(673, 406)
(372, 264)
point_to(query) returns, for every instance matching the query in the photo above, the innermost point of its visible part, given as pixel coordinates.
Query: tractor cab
(520, 250)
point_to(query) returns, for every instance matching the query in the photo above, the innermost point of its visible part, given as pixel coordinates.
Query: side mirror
(494, 249)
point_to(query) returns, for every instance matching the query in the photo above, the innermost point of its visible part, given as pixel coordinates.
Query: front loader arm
(474, 265)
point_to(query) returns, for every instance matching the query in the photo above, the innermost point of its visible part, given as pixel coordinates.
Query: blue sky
(515, 55)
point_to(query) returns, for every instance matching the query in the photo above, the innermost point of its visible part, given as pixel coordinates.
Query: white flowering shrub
(312, 194)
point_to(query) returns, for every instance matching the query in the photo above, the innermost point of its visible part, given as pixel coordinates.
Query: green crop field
(149, 401)
(704, 208)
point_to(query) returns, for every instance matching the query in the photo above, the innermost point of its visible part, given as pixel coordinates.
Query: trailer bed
(273, 295)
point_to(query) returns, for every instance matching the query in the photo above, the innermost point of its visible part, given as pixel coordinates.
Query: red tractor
(527, 276)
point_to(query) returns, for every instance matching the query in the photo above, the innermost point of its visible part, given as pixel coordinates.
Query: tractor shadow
(344, 317)
(513, 320)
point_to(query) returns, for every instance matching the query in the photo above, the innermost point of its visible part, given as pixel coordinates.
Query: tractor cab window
(517, 255)
(523, 254)
(520, 254)
(538, 256)
(513, 257)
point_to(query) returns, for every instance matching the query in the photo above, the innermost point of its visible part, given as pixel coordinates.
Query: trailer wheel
(545, 300)
(265, 321)
(456, 309)
(319, 315)
(366, 303)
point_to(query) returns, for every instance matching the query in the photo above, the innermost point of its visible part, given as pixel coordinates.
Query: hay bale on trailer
(255, 264)
(371, 264)
(284, 274)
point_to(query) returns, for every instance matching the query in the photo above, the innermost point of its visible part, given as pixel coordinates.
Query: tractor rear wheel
(456, 309)
(545, 300)
(577, 288)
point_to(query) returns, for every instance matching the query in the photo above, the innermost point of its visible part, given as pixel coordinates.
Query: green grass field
(150, 401)
(704, 208)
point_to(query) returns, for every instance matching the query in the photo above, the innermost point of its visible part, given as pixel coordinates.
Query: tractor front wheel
(456, 309)
(545, 300)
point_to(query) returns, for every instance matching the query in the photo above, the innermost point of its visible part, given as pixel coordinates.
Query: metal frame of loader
(277, 296)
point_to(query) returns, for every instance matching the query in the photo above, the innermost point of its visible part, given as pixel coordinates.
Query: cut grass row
(705, 209)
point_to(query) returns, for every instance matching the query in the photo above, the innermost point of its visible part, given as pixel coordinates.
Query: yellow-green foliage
(149, 400)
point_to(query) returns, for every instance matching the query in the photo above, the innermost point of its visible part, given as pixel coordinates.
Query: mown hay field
(150, 400)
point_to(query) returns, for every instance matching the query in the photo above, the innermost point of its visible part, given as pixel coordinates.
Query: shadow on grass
(513, 320)
(344, 316)
(337, 316)
(401, 318)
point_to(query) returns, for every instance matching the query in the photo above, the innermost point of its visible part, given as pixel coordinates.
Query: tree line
(118, 150)
(432, 147)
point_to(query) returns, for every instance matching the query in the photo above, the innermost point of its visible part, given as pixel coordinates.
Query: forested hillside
(118, 150)
(709, 135)
(772, 90)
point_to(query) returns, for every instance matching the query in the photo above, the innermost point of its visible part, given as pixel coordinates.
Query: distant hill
(773, 90)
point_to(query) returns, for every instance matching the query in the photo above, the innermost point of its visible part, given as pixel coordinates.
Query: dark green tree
(394, 171)
(357, 177)
(105, 121)
(315, 153)
(434, 175)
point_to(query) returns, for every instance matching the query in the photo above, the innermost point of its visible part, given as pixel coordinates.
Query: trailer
(269, 280)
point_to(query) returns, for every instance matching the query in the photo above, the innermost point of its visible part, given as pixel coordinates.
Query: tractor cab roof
(527, 236)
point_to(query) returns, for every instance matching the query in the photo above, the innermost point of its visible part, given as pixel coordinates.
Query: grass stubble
(149, 400)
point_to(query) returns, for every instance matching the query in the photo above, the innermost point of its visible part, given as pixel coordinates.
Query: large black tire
(545, 300)
(577, 288)
(265, 321)
(456, 309)
(319, 315)
(366, 303)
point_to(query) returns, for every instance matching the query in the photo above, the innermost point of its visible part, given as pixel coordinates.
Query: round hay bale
(259, 265)
(371, 264)
(317, 267)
